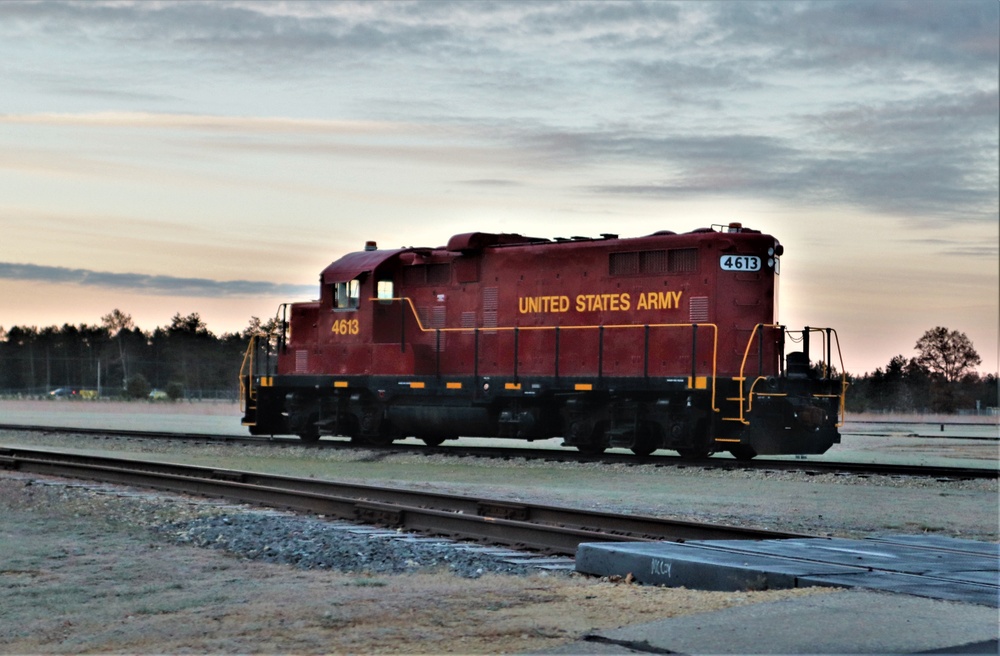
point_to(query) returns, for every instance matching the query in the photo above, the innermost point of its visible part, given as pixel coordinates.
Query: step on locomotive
(667, 341)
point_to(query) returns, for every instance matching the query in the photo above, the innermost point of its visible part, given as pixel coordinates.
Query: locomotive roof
(353, 265)
(476, 241)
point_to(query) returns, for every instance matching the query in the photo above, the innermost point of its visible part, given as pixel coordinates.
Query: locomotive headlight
(770, 263)
(770, 251)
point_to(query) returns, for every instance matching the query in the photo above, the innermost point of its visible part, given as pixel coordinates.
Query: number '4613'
(345, 327)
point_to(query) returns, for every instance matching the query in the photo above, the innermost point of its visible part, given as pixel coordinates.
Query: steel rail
(550, 529)
(561, 455)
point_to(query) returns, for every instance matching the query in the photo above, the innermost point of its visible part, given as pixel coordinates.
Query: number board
(739, 263)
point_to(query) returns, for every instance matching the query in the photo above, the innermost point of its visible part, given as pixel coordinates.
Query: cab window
(347, 295)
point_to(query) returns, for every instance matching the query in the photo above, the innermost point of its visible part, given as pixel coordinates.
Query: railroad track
(536, 527)
(560, 455)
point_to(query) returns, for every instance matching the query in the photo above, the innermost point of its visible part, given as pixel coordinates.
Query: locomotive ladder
(745, 396)
(248, 393)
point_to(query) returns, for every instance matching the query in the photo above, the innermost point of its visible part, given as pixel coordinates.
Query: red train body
(666, 341)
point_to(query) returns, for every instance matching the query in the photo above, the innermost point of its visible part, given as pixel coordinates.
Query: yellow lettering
(346, 327)
(542, 304)
(621, 302)
(666, 300)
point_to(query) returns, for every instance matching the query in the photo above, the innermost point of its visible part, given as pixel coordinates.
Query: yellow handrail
(714, 327)
(246, 369)
(749, 399)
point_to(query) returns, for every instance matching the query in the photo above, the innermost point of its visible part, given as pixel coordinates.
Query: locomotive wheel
(743, 452)
(694, 453)
(591, 449)
(433, 441)
(310, 432)
(645, 442)
(588, 439)
(381, 439)
(700, 449)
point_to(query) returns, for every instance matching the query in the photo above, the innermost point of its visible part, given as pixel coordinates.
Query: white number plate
(739, 263)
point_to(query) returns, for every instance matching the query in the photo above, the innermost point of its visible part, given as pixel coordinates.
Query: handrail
(827, 343)
(477, 330)
(843, 381)
(743, 364)
(246, 374)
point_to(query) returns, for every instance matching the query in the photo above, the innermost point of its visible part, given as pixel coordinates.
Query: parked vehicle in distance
(62, 392)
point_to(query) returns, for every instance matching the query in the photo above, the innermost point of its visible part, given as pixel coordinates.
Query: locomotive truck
(667, 341)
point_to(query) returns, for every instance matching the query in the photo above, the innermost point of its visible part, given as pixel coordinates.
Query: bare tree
(118, 324)
(948, 354)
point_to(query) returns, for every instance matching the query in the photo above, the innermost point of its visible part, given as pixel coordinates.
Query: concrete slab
(693, 566)
(911, 558)
(939, 569)
(916, 586)
(840, 622)
(991, 549)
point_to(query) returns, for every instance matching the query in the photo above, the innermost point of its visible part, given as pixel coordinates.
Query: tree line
(941, 378)
(115, 358)
(185, 359)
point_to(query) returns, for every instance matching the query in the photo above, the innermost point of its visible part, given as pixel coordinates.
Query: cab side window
(347, 295)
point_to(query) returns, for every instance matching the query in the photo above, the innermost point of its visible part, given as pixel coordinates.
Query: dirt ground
(82, 574)
(80, 571)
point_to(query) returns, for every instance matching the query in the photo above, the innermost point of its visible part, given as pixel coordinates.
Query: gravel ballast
(314, 544)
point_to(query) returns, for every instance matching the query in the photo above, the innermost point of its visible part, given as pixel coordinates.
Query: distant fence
(90, 394)
(977, 412)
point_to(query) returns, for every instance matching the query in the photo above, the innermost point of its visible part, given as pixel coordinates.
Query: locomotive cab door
(387, 315)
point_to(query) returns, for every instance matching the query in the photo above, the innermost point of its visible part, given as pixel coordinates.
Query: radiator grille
(698, 309)
(676, 260)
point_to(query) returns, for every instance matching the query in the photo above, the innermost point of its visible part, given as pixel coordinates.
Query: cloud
(888, 106)
(491, 182)
(151, 284)
(206, 123)
(987, 251)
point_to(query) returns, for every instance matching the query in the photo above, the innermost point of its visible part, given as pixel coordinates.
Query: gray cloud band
(159, 285)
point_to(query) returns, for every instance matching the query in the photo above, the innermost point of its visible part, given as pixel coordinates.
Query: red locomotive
(668, 341)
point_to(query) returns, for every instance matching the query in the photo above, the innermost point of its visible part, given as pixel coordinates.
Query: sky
(168, 158)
